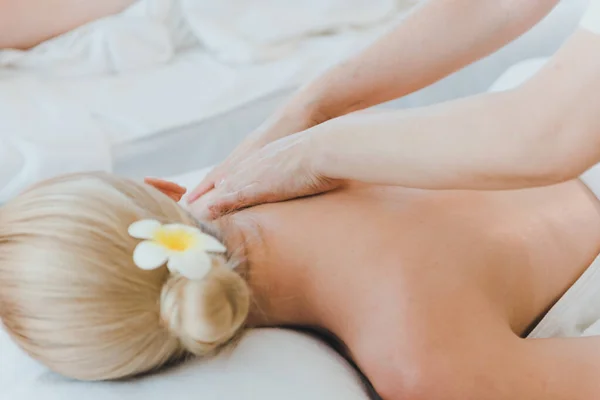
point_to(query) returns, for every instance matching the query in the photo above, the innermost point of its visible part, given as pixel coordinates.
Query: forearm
(470, 143)
(544, 132)
(26, 23)
(437, 39)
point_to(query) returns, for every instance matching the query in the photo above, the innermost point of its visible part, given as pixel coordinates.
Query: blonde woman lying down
(431, 293)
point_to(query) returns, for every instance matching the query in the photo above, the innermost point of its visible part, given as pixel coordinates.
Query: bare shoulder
(430, 343)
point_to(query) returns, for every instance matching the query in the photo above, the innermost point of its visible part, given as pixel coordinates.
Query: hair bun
(207, 313)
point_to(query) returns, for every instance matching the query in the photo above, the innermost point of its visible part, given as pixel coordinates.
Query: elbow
(565, 155)
(549, 162)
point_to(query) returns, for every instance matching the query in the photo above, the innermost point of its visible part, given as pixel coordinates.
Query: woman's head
(72, 297)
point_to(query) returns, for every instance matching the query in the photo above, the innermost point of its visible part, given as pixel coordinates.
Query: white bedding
(140, 94)
(163, 64)
(268, 364)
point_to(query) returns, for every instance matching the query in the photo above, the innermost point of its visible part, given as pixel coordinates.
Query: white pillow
(267, 364)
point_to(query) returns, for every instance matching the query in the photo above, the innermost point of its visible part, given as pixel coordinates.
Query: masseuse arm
(438, 38)
(26, 23)
(544, 132)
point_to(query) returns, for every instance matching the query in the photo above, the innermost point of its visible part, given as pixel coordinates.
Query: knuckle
(240, 198)
(215, 211)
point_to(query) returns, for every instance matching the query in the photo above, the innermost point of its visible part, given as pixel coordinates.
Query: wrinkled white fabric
(259, 30)
(159, 65)
(150, 32)
(145, 35)
(46, 135)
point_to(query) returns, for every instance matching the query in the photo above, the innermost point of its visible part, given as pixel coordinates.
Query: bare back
(388, 270)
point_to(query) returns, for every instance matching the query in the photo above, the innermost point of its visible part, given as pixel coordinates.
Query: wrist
(308, 107)
(323, 100)
(320, 151)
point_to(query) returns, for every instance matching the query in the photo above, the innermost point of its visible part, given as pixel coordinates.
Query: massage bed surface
(267, 364)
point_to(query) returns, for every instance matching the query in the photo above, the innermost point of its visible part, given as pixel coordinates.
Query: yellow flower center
(174, 240)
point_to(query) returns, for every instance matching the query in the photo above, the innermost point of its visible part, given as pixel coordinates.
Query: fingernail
(219, 183)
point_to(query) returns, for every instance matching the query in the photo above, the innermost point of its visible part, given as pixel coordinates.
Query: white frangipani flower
(185, 249)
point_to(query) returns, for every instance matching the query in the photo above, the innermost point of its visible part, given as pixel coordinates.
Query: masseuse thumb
(222, 203)
(203, 187)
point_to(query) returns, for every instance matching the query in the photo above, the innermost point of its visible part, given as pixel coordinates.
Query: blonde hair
(72, 298)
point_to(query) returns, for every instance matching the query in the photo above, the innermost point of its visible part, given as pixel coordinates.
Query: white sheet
(268, 364)
(259, 30)
(159, 65)
(151, 31)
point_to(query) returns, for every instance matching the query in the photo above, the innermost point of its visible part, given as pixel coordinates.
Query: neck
(280, 288)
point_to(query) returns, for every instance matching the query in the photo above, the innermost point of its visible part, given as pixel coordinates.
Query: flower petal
(149, 255)
(211, 244)
(191, 264)
(144, 229)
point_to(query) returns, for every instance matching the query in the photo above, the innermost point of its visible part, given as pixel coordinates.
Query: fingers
(224, 202)
(207, 184)
(162, 184)
(200, 190)
(171, 189)
(175, 196)
(212, 180)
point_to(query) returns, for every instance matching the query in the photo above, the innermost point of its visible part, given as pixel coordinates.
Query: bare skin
(436, 39)
(430, 291)
(27, 23)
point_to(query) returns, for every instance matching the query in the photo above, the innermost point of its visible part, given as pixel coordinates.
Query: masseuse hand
(279, 171)
(294, 118)
(392, 67)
